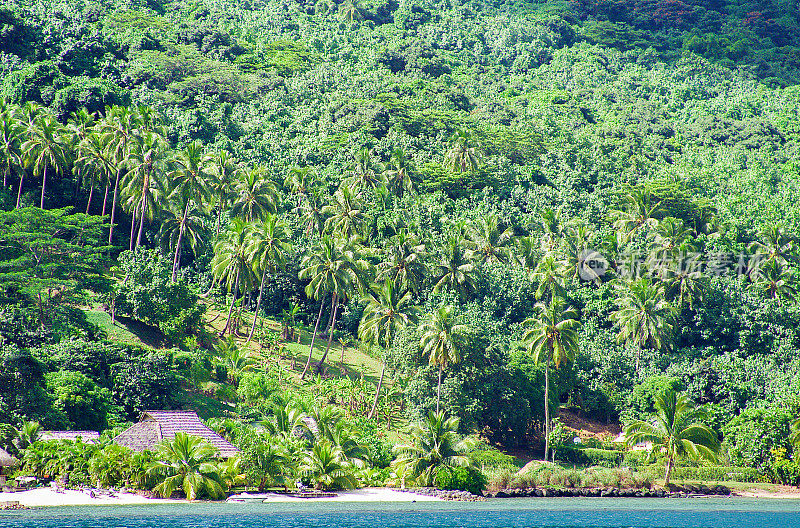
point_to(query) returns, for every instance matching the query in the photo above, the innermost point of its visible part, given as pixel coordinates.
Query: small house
(155, 426)
(7, 465)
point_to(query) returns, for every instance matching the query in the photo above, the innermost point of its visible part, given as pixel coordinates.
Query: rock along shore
(674, 492)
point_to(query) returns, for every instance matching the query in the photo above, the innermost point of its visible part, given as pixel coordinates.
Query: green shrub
(785, 470)
(729, 473)
(590, 456)
(459, 478)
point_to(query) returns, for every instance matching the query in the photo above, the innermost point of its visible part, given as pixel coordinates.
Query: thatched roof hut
(155, 426)
(7, 460)
(87, 437)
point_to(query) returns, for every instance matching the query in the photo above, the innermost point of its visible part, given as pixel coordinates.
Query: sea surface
(498, 513)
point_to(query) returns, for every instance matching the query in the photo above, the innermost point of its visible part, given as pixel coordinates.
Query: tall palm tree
(311, 214)
(231, 263)
(676, 429)
(187, 463)
(79, 126)
(388, 310)
(641, 211)
(442, 341)
(549, 277)
(45, 149)
(364, 175)
(223, 169)
(644, 318)
(143, 184)
(398, 173)
(351, 11)
(551, 337)
(190, 181)
(12, 136)
(435, 444)
(269, 241)
(119, 127)
(464, 153)
(96, 165)
(488, 241)
(403, 262)
(346, 214)
(773, 244)
(328, 468)
(775, 280)
(183, 222)
(255, 196)
(553, 228)
(454, 270)
(300, 181)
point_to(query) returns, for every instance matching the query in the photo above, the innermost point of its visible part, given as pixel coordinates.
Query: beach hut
(87, 437)
(155, 426)
(7, 465)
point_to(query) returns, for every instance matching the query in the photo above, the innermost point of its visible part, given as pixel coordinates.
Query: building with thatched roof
(87, 437)
(155, 426)
(7, 464)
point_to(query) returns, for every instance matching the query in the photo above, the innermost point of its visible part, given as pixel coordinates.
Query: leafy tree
(144, 382)
(675, 428)
(85, 405)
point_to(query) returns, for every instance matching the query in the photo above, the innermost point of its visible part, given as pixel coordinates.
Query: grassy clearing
(125, 330)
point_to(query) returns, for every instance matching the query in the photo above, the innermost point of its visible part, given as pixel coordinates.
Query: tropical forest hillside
(378, 214)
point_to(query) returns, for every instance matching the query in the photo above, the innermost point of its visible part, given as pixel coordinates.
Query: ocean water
(498, 513)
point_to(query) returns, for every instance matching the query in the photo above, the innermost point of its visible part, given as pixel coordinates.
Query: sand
(49, 497)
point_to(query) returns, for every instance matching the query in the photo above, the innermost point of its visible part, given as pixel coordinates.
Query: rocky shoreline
(451, 495)
(673, 492)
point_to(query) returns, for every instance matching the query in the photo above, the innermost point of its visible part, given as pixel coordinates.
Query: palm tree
(488, 241)
(364, 175)
(775, 280)
(187, 463)
(268, 244)
(403, 262)
(267, 462)
(398, 173)
(79, 127)
(551, 337)
(549, 279)
(26, 434)
(464, 153)
(640, 212)
(442, 341)
(388, 310)
(676, 430)
(12, 135)
(453, 269)
(794, 438)
(644, 317)
(183, 222)
(435, 445)
(255, 196)
(143, 183)
(223, 169)
(310, 213)
(95, 163)
(346, 214)
(45, 149)
(553, 228)
(351, 11)
(300, 181)
(328, 468)
(118, 128)
(231, 262)
(190, 182)
(773, 244)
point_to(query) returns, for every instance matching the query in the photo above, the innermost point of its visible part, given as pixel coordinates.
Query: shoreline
(46, 497)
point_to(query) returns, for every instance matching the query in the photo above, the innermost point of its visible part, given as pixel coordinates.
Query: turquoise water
(499, 513)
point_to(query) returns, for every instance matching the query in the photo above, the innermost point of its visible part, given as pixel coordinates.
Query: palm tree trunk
(89, 202)
(19, 191)
(546, 407)
(439, 390)
(330, 333)
(141, 226)
(258, 305)
(114, 207)
(313, 338)
(668, 471)
(377, 393)
(638, 356)
(133, 226)
(44, 184)
(176, 261)
(233, 301)
(105, 200)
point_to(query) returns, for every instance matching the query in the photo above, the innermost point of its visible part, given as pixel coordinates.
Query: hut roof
(7, 460)
(88, 437)
(155, 426)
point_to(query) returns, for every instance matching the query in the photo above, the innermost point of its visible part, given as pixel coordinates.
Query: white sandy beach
(49, 497)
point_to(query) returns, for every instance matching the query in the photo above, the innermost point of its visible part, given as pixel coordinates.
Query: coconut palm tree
(488, 241)
(351, 11)
(364, 175)
(454, 270)
(775, 281)
(96, 165)
(190, 180)
(187, 463)
(676, 429)
(327, 467)
(773, 244)
(435, 444)
(311, 214)
(267, 462)
(45, 149)
(269, 241)
(26, 434)
(143, 183)
(442, 341)
(79, 126)
(231, 263)
(345, 212)
(644, 318)
(464, 153)
(12, 136)
(403, 262)
(181, 223)
(255, 195)
(388, 310)
(223, 169)
(118, 127)
(551, 337)
(398, 173)
(549, 277)
(641, 212)
(300, 181)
